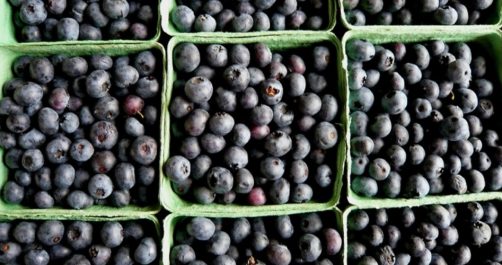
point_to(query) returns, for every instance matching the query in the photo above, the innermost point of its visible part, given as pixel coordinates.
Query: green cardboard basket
(10, 53)
(172, 202)
(171, 220)
(490, 39)
(166, 6)
(376, 206)
(8, 30)
(153, 223)
(494, 20)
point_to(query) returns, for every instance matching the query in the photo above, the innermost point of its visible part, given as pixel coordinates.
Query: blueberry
(237, 77)
(120, 198)
(182, 254)
(144, 150)
(183, 18)
(204, 23)
(326, 135)
(79, 200)
(261, 54)
(33, 12)
(279, 192)
(133, 127)
(103, 161)
(212, 143)
(242, 23)
(59, 252)
(309, 103)
(68, 29)
(50, 233)
(11, 253)
(125, 177)
(454, 128)
(278, 21)
(224, 19)
(79, 235)
(271, 91)
(22, 178)
(64, 176)
(18, 123)
(99, 254)
(81, 150)
(13, 157)
(42, 71)
(100, 186)
(32, 160)
(278, 254)
(261, 21)
(147, 87)
(220, 180)
(416, 186)
(361, 99)
(112, 234)
(25, 232)
(122, 256)
(77, 259)
(249, 98)
(36, 256)
(301, 193)
(360, 50)
(69, 122)
(103, 134)
(88, 32)
(201, 228)
(186, 57)
(32, 139)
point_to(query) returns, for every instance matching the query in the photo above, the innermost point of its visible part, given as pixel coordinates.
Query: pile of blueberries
(77, 243)
(418, 12)
(422, 119)
(249, 15)
(252, 126)
(460, 234)
(81, 131)
(62, 20)
(280, 240)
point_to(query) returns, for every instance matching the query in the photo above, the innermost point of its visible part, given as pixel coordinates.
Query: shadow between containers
(495, 22)
(8, 53)
(8, 31)
(490, 39)
(166, 6)
(174, 203)
(171, 220)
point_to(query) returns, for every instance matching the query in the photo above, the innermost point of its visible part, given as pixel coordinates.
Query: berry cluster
(81, 131)
(458, 234)
(266, 134)
(244, 16)
(422, 120)
(418, 12)
(51, 20)
(281, 240)
(77, 242)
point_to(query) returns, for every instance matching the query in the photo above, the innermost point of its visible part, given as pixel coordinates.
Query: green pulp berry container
(171, 220)
(493, 20)
(167, 6)
(10, 53)
(489, 39)
(151, 224)
(376, 206)
(174, 203)
(8, 30)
